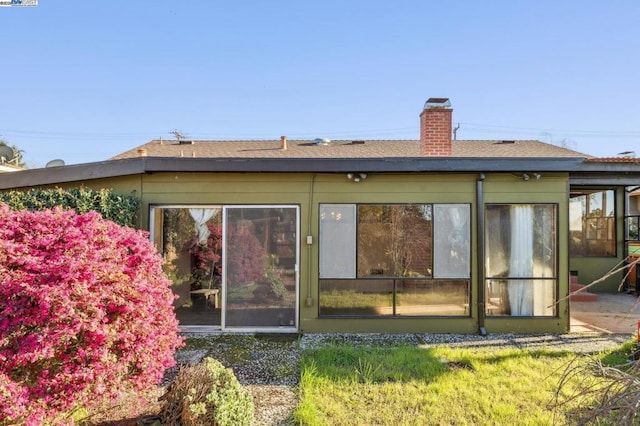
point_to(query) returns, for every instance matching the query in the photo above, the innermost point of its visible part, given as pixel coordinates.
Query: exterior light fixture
(527, 176)
(356, 177)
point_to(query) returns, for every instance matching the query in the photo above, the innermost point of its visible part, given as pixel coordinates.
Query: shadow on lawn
(403, 364)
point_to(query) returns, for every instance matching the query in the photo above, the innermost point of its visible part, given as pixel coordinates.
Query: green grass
(343, 385)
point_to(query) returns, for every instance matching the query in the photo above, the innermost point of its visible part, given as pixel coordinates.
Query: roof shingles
(342, 149)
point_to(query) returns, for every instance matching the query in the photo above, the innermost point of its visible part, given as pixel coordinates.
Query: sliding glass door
(232, 267)
(260, 267)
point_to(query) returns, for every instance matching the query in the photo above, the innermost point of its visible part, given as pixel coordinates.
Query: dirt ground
(611, 313)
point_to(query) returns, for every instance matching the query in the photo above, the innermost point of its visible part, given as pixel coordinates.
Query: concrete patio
(612, 313)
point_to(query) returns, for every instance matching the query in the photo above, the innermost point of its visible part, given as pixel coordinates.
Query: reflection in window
(260, 266)
(394, 240)
(356, 297)
(592, 223)
(381, 260)
(190, 241)
(521, 259)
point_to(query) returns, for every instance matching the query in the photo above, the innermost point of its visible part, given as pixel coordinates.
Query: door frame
(223, 287)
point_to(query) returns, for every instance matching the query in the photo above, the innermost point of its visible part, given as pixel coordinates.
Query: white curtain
(201, 217)
(521, 260)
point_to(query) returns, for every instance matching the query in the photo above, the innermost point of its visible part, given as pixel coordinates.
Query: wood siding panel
(296, 189)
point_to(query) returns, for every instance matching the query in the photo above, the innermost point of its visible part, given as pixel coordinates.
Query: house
(428, 235)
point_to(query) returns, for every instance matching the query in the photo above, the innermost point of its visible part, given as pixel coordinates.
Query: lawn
(347, 383)
(342, 385)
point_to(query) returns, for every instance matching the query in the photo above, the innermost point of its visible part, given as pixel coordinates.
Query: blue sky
(86, 80)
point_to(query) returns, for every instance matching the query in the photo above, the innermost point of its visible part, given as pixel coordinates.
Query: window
(592, 223)
(521, 259)
(394, 259)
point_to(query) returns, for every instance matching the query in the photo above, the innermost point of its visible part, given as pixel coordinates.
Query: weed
(366, 372)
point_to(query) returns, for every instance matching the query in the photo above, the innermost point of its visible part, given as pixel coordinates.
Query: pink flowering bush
(85, 313)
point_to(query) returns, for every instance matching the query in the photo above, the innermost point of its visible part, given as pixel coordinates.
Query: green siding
(310, 190)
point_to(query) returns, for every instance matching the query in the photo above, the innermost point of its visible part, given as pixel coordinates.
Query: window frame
(586, 192)
(222, 295)
(398, 279)
(487, 279)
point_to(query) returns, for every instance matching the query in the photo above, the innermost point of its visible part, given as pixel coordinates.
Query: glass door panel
(190, 241)
(260, 267)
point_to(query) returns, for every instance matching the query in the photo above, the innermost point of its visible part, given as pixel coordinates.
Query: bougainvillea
(85, 312)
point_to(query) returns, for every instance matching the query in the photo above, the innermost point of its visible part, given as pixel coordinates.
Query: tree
(85, 313)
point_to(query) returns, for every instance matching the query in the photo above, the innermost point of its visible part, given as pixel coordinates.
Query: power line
(373, 133)
(598, 133)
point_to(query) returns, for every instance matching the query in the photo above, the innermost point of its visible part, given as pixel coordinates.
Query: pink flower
(84, 308)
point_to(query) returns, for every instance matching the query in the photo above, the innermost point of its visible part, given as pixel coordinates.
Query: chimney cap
(437, 103)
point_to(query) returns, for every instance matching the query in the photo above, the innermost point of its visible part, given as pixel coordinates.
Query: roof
(344, 149)
(614, 160)
(303, 156)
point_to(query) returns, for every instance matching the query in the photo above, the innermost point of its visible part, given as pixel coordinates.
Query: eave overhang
(133, 166)
(606, 174)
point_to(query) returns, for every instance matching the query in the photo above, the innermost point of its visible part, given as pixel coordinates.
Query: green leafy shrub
(207, 394)
(118, 208)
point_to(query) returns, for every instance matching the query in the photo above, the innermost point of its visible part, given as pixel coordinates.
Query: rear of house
(432, 235)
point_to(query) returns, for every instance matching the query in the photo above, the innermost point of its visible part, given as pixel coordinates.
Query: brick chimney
(435, 128)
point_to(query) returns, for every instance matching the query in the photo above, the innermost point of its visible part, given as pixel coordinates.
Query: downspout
(480, 253)
(625, 244)
(309, 300)
(627, 211)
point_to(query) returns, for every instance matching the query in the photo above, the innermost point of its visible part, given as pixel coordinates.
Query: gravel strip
(268, 365)
(584, 343)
